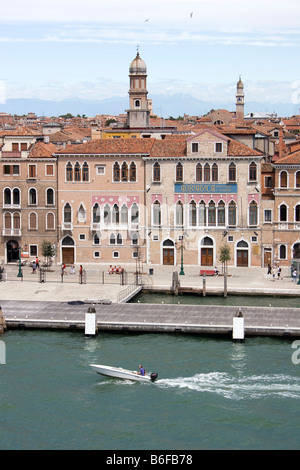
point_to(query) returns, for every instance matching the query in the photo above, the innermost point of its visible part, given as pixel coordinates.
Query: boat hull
(119, 373)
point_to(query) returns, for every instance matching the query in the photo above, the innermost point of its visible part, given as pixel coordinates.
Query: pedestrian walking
(33, 267)
(278, 273)
(295, 275)
(269, 269)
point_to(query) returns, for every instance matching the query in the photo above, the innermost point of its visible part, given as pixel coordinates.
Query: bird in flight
(191, 14)
(146, 20)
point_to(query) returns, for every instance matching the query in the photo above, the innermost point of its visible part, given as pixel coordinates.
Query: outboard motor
(153, 376)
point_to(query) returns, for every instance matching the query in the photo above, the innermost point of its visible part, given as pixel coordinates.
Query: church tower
(240, 100)
(138, 114)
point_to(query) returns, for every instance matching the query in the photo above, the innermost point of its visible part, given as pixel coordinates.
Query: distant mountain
(163, 105)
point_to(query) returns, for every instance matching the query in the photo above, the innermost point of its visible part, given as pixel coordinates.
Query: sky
(66, 49)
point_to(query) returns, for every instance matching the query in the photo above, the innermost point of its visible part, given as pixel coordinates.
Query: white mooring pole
(238, 330)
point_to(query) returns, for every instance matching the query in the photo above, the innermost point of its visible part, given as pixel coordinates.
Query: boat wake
(237, 388)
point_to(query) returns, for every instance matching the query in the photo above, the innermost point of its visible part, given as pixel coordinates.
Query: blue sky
(76, 48)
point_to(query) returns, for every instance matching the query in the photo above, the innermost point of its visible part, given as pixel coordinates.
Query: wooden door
(242, 258)
(68, 255)
(168, 256)
(267, 258)
(207, 257)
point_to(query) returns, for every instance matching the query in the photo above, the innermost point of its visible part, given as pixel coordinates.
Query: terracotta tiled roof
(111, 146)
(292, 159)
(42, 150)
(22, 131)
(171, 147)
(236, 149)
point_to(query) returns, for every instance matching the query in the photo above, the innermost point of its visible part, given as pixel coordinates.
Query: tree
(224, 256)
(48, 251)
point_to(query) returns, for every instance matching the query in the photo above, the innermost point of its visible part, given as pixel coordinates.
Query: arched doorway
(12, 251)
(168, 253)
(207, 252)
(68, 250)
(242, 254)
(296, 250)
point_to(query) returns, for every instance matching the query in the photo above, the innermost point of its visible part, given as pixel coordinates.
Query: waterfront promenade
(63, 305)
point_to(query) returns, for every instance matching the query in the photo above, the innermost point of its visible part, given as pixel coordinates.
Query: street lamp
(181, 248)
(20, 274)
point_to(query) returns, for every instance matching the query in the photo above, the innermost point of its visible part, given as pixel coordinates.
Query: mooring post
(204, 285)
(91, 328)
(238, 330)
(225, 284)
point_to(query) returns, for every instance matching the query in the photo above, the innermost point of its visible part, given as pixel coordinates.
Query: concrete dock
(63, 305)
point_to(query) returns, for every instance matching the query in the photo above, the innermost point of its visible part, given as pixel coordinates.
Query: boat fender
(153, 376)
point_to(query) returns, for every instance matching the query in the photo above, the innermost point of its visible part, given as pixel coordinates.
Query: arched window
(50, 196)
(85, 172)
(232, 172)
(115, 214)
(135, 239)
(198, 172)
(33, 221)
(221, 214)
(179, 214)
(124, 172)
(214, 172)
(69, 172)
(16, 197)
(7, 196)
(112, 239)
(206, 172)
(283, 213)
(193, 214)
(77, 172)
(202, 214)
(96, 239)
(7, 220)
(67, 213)
(253, 214)
(81, 214)
(119, 239)
(132, 175)
(134, 214)
(282, 252)
(96, 213)
(253, 172)
(16, 220)
(156, 213)
(297, 179)
(179, 172)
(283, 179)
(124, 215)
(67, 241)
(232, 214)
(50, 221)
(32, 196)
(137, 103)
(116, 172)
(297, 213)
(156, 172)
(107, 214)
(211, 213)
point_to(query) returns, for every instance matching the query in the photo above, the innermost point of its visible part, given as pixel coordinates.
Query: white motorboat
(119, 373)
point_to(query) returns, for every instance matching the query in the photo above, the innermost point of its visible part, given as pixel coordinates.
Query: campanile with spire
(240, 99)
(138, 114)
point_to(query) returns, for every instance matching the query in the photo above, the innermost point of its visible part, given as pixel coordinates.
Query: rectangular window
(195, 147)
(6, 169)
(268, 181)
(267, 216)
(100, 169)
(33, 250)
(49, 170)
(218, 147)
(23, 147)
(16, 169)
(15, 147)
(31, 171)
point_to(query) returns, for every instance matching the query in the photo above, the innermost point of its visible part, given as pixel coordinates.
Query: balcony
(67, 226)
(11, 232)
(6, 154)
(95, 227)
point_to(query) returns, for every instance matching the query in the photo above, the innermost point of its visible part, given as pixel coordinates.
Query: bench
(207, 272)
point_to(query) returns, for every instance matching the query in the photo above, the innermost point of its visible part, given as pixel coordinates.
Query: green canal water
(230, 300)
(211, 393)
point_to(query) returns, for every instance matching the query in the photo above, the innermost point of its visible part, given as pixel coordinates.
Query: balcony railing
(11, 232)
(67, 226)
(7, 154)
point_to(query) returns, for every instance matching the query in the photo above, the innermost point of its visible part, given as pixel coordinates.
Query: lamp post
(20, 274)
(181, 249)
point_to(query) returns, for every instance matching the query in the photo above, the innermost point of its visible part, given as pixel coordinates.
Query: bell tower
(240, 99)
(138, 114)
